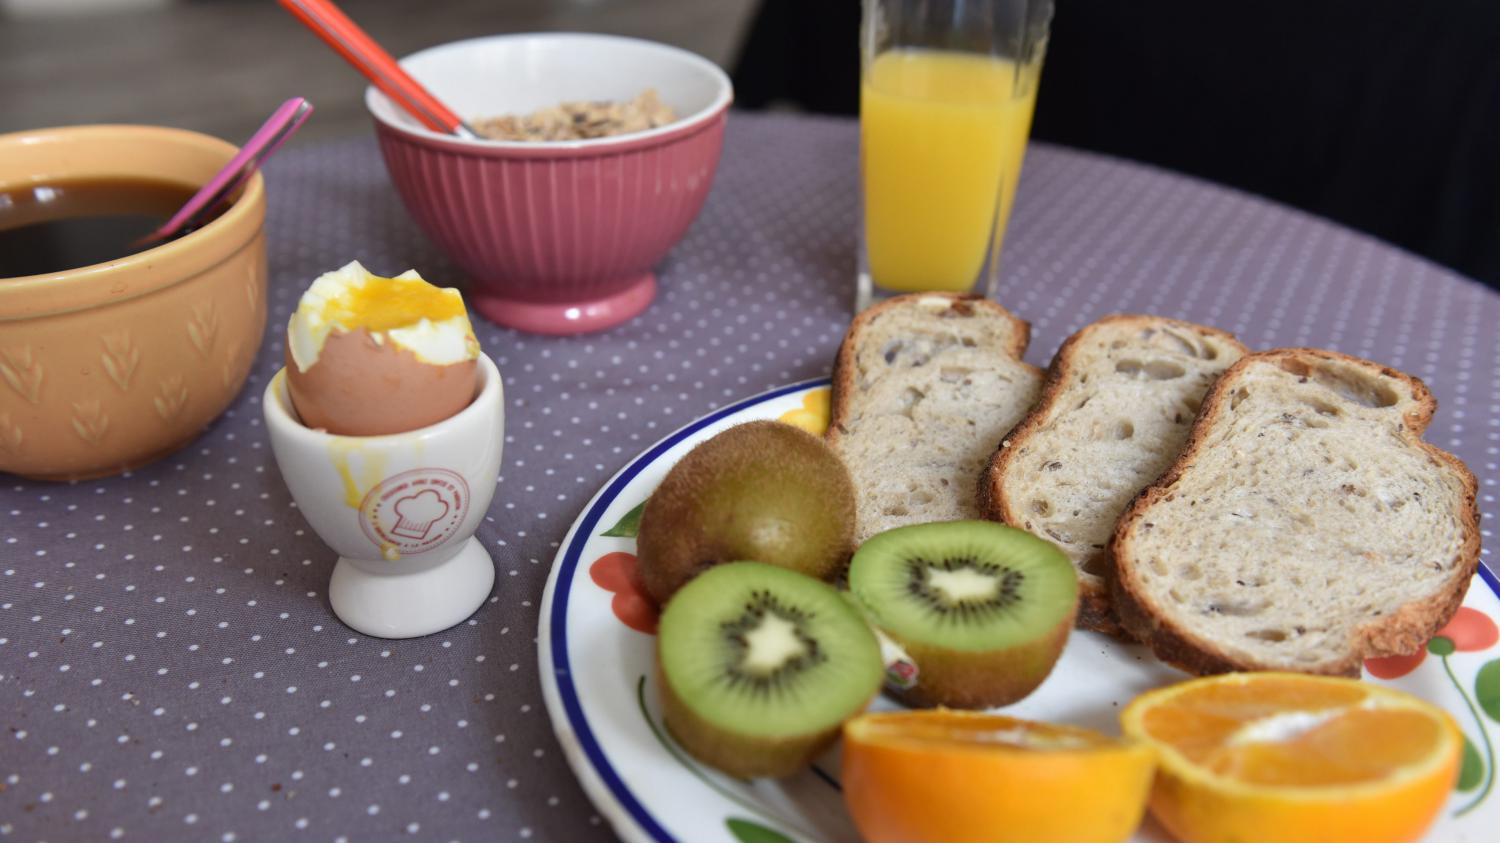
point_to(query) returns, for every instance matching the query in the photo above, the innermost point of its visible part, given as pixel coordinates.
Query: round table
(169, 666)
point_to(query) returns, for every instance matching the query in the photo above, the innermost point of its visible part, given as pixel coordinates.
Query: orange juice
(942, 135)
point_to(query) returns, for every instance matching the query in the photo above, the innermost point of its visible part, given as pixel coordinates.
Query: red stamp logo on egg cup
(414, 511)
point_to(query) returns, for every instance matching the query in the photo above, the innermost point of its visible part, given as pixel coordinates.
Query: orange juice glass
(947, 93)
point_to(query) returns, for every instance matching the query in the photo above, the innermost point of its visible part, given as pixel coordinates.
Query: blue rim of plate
(561, 673)
(574, 552)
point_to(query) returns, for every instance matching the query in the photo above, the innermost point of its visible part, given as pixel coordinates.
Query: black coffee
(68, 224)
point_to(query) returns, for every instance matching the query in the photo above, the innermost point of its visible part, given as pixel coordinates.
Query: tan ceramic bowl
(111, 366)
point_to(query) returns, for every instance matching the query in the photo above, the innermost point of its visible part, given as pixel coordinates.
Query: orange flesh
(1355, 747)
(942, 729)
(1340, 743)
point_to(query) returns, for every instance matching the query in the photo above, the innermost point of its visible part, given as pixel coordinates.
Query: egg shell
(360, 387)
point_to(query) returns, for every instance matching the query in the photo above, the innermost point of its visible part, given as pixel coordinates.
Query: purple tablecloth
(169, 667)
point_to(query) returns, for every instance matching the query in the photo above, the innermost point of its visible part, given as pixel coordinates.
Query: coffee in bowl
(63, 224)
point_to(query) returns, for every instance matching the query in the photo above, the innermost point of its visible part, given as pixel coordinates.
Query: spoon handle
(278, 127)
(328, 22)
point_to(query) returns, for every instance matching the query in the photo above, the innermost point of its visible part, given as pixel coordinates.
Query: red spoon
(359, 49)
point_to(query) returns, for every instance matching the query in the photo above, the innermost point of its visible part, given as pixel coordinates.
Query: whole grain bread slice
(924, 387)
(1120, 397)
(1306, 525)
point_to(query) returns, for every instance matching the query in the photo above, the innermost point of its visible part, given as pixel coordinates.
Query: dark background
(1379, 114)
(1382, 115)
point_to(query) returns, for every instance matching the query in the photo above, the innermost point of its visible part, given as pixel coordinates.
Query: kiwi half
(759, 666)
(982, 609)
(765, 491)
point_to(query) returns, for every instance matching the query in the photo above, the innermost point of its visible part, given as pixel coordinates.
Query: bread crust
(1402, 632)
(843, 364)
(1094, 604)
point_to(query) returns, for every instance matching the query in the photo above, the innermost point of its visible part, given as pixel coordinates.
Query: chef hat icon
(415, 514)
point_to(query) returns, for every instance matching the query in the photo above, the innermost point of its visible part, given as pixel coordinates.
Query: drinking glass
(947, 88)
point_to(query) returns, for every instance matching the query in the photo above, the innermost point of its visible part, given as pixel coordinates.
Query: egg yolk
(382, 304)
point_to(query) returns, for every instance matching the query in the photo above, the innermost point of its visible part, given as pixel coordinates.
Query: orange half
(941, 776)
(1291, 758)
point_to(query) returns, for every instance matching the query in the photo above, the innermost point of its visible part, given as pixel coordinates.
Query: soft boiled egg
(368, 356)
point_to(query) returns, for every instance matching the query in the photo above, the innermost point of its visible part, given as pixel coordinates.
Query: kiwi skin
(738, 756)
(763, 490)
(982, 680)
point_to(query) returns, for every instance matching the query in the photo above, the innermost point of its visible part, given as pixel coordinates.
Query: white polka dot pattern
(169, 668)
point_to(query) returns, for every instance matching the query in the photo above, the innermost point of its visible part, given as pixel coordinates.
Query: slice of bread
(924, 386)
(1306, 525)
(1119, 400)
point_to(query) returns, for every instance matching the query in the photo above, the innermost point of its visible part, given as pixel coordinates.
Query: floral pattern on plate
(596, 666)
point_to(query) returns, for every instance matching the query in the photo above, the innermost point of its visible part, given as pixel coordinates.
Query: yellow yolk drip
(382, 304)
(339, 452)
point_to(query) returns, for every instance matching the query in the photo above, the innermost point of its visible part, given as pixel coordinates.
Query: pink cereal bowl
(558, 237)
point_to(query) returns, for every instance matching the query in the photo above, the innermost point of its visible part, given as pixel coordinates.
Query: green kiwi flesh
(983, 609)
(765, 491)
(759, 666)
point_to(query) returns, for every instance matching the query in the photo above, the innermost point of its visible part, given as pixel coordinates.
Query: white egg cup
(400, 510)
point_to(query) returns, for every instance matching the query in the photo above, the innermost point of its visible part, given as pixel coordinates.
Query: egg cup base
(411, 604)
(563, 318)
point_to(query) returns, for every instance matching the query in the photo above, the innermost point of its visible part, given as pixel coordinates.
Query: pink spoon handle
(266, 140)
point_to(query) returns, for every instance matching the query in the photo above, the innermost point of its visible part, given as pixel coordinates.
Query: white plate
(595, 680)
